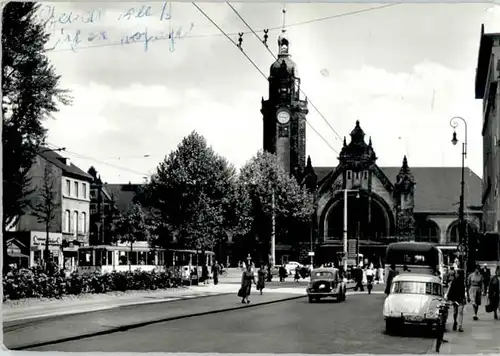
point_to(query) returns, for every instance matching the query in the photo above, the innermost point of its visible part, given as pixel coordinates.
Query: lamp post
(346, 191)
(461, 232)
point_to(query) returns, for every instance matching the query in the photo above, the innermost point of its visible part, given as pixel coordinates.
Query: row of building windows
(76, 192)
(357, 175)
(76, 222)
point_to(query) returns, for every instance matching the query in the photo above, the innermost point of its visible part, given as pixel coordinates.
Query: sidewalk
(29, 334)
(31, 309)
(479, 337)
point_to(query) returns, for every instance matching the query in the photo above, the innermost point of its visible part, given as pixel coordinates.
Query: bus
(418, 257)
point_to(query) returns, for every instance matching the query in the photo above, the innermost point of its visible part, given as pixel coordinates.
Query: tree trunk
(46, 258)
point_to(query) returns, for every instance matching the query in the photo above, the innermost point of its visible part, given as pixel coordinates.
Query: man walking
(486, 278)
(215, 272)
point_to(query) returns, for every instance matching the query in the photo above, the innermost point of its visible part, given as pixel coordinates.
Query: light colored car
(326, 282)
(413, 299)
(291, 266)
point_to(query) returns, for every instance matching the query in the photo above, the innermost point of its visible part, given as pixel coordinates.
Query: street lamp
(345, 223)
(461, 232)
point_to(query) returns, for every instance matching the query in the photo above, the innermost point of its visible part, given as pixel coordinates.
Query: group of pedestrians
(248, 278)
(472, 290)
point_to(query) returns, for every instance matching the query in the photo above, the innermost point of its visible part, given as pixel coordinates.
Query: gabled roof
(60, 162)
(437, 189)
(122, 194)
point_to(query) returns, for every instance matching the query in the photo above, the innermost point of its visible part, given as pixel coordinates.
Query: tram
(139, 256)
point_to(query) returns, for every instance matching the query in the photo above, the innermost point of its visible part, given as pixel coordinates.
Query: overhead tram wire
(120, 168)
(275, 58)
(256, 67)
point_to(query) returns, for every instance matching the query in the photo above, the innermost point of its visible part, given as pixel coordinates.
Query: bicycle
(443, 308)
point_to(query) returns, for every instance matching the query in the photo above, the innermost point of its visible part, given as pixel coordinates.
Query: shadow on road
(414, 331)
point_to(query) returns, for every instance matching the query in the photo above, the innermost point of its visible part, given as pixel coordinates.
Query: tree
(46, 205)
(265, 189)
(30, 93)
(132, 227)
(191, 195)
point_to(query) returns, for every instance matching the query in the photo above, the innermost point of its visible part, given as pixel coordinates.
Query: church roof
(437, 189)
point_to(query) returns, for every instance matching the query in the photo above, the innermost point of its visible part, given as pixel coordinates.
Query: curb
(98, 309)
(146, 323)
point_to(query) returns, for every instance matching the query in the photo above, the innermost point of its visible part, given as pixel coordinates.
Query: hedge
(34, 283)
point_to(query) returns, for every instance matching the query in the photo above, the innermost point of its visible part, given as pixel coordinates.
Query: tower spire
(283, 42)
(283, 11)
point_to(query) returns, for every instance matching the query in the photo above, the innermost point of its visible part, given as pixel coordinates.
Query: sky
(403, 71)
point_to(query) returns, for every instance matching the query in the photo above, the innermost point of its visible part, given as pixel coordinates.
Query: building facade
(487, 89)
(384, 204)
(69, 229)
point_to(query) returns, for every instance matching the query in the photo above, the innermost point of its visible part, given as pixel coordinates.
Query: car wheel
(341, 297)
(311, 299)
(390, 326)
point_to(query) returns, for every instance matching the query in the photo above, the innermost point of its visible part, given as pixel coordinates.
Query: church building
(384, 204)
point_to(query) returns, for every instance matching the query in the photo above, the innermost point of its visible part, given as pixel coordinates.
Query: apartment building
(487, 89)
(70, 228)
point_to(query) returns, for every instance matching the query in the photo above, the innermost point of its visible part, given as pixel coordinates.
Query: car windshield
(324, 274)
(409, 287)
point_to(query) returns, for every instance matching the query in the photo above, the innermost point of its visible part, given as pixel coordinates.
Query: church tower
(284, 113)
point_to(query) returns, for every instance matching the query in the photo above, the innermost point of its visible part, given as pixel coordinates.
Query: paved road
(296, 326)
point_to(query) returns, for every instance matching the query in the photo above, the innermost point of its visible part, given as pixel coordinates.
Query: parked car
(413, 299)
(326, 282)
(291, 266)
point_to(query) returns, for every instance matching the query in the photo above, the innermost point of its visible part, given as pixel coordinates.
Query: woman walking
(246, 284)
(261, 280)
(494, 292)
(458, 293)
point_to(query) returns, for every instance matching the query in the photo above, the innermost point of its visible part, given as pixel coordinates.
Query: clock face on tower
(283, 117)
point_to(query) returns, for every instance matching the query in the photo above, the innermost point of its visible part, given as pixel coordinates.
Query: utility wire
(256, 67)
(99, 161)
(275, 58)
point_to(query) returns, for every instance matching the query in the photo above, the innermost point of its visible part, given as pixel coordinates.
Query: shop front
(38, 241)
(70, 255)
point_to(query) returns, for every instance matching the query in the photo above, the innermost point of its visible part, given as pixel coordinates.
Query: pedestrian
(261, 278)
(494, 292)
(216, 268)
(358, 278)
(390, 275)
(370, 274)
(486, 278)
(458, 293)
(204, 273)
(247, 278)
(283, 273)
(297, 274)
(475, 284)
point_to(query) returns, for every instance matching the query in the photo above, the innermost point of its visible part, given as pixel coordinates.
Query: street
(293, 326)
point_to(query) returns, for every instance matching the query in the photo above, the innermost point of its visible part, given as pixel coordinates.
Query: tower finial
(283, 11)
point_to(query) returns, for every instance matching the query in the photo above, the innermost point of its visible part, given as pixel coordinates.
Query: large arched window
(75, 222)
(427, 231)
(67, 221)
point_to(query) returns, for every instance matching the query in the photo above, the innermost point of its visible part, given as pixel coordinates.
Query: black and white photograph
(251, 177)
